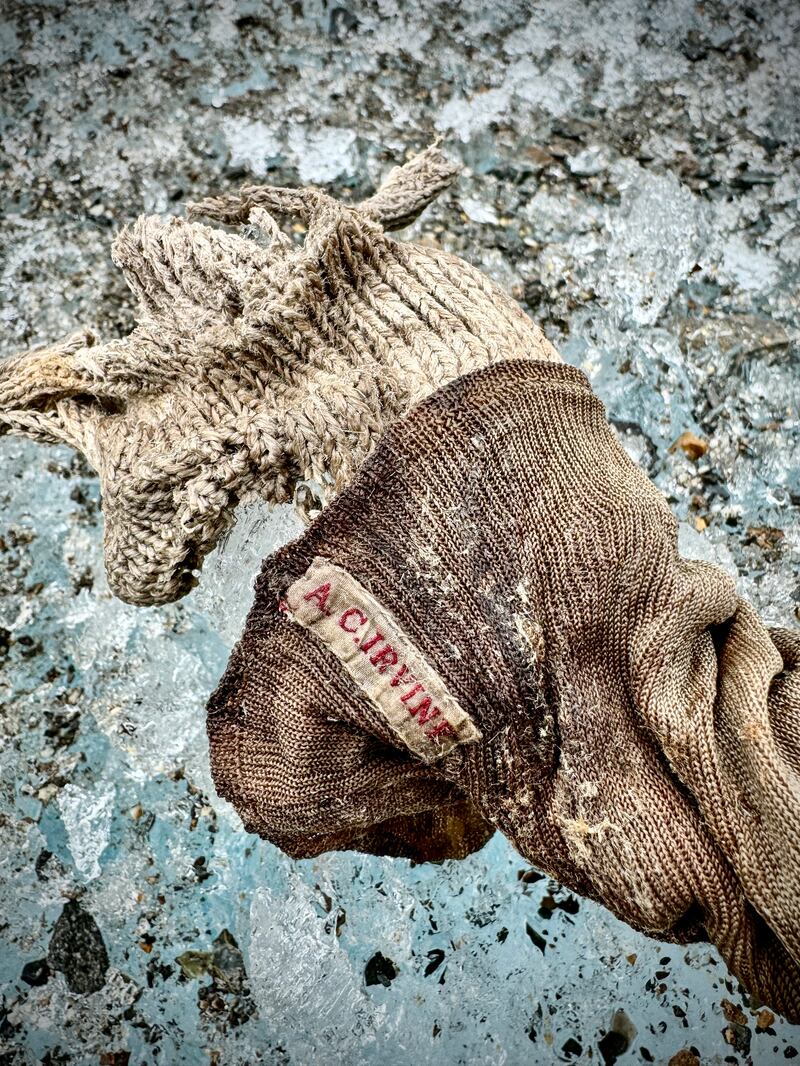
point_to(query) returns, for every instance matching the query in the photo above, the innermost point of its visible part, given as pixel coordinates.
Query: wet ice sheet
(630, 179)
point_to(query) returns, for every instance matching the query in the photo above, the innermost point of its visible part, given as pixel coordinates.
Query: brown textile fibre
(640, 728)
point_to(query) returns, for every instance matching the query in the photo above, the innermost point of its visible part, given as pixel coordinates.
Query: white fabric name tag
(381, 659)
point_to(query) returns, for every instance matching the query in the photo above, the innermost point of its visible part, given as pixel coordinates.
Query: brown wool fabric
(636, 728)
(257, 364)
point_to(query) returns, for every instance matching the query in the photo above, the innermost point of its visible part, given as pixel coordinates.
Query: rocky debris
(380, 970)
(618, 1039)
(36, 973)
(737, 1032)
(765, 1019)
(692, 446)
(769, 539)
(78, 950)
(684, 1058)
(738, 335)
(226, 998)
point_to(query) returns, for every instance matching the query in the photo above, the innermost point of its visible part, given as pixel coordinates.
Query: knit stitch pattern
(638, 727)
(256, 364)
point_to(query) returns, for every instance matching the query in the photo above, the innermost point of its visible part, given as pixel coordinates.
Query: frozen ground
(632, 177)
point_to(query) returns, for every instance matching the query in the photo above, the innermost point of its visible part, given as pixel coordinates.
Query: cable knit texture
(636, 728)
(257, 364)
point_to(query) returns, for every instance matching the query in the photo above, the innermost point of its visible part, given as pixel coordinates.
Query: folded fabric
(493, 618)
(254, 368)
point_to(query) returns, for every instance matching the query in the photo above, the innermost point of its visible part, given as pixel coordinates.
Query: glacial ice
(86, 814)
(629, 176)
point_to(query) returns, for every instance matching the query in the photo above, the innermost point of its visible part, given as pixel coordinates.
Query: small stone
(194, 964)
(436, 958)
(684, 1058)
(611, 1046)
(227, 963)
(572, 1048)
(733, 1012)
(768, 538)
(741, 335)
(78, 950)
(538, 157)
(765, 1019)
(736, 1033)
(536, 938)
(36, 973)
(588, 162)
(380, 970)
(738, 1036)
(618, 1039)
(341, 24)
(478, 211)
(691, 445)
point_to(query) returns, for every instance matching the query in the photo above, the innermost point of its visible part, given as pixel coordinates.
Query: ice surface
(225, 591)
(656, 235)
(631, 177)
(478, 211)
(252, 145)
(485, 958)
(747, 266)
(322, 1000)
(323, 154)
(86, 815)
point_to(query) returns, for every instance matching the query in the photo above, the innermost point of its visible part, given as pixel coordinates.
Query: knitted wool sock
(255, 368)
(495, 612)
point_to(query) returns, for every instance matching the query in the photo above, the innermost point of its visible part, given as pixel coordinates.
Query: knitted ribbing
(636, 728)
(256, 367)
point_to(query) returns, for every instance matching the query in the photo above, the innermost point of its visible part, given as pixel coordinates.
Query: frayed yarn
(256, 364)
